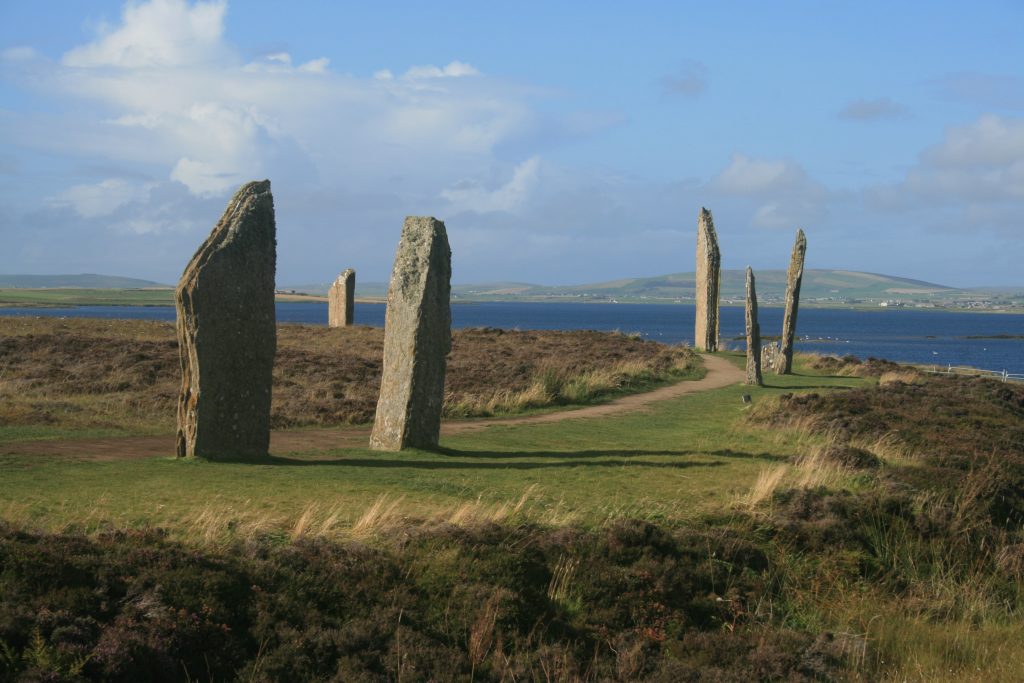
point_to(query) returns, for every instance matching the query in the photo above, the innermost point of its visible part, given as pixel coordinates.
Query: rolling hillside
(81, 281)
(834, 285)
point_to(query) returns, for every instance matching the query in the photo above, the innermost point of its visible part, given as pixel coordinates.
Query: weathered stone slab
(753, 334)
(794, 277)
(227, 332)
(709, 272)
(770, 356)
(417, 339)
(341, 300)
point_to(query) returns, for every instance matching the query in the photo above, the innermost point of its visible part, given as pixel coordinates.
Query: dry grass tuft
(907, 376)
(381, 516)
(768, 482)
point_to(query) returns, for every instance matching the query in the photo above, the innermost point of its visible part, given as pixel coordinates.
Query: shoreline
(298, 298)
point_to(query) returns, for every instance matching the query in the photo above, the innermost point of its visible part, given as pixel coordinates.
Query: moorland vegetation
(123, 376)
(861, 521)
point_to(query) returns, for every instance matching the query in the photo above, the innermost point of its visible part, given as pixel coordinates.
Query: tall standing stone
(794, 277)
(227, 333)
(709, 272)
(753, 334)
(341, 300)
(417, 338)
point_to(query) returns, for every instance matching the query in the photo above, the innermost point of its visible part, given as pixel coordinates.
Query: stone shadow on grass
(830, 387)
(604, 453)
(444, 460)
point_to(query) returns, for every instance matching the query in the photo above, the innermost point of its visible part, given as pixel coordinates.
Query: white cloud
(454, 69)
(785, 194)
(103, 198)
(159, 33)
(18, 54)
(205, 178)
(469, 195)
(315, 66)
(972, 181)
(989, 141)
(179, 98)
(281, 62)
(747, 176)
(341, 150)
(974, 165)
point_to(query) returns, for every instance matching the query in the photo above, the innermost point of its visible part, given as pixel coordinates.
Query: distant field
(11, 296)
(86, 297)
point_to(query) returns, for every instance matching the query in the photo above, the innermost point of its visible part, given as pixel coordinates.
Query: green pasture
(10, 296)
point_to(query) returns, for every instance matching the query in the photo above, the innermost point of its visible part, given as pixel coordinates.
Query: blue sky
(560, 142)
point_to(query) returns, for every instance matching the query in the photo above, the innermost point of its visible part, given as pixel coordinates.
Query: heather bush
(631, 601)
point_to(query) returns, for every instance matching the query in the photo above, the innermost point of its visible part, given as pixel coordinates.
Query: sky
(560, 142)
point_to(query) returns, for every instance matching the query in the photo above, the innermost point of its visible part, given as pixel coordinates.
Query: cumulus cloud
(281, 62)
(784, 194)
(175, 94)
(158, 33)
(469, 195)
(21, 53)
(103, 198)
(747, 176)
(454, 69)
(977, 163)
(973, 179)
(872, 110)
(991, 141)
(690, 80)
(164, 99)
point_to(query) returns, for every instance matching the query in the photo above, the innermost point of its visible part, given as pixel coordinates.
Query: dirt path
(720, 373)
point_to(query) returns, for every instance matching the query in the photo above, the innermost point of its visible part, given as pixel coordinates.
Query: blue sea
(915, 336)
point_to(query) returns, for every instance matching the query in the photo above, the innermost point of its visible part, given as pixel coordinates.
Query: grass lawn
(680, 459)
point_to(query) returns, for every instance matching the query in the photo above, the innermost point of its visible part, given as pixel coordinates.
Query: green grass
(680, 459)
(86, 297)
(9, 433)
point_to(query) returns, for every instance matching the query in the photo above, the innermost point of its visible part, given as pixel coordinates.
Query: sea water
(940, 338)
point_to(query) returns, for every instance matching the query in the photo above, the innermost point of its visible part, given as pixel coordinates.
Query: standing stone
(794, 277)
(341, 304)
(770, 357)
(227, 332)
(417, 338)
(753, 334)
(709, 272)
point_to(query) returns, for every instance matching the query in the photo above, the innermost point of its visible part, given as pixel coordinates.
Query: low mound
(953, 450)
(124, 374)
(852, 366)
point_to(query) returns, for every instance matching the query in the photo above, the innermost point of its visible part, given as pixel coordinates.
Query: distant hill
(83, 281)
(837, 286)
(369, 290)
(820, 286)
(824, 285)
